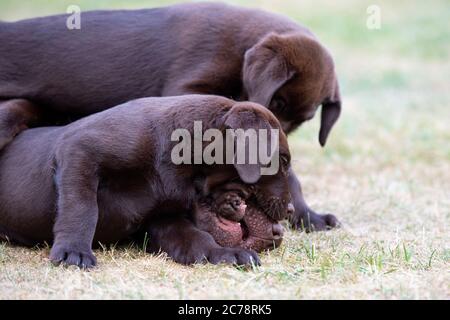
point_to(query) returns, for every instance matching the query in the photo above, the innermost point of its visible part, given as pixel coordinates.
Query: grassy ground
(385, 173)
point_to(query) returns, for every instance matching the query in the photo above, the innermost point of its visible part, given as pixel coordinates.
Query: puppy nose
(277, 230)
(290, 209)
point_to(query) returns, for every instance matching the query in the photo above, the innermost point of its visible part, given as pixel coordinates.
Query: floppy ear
(265, 70)
(241, 118)
(331, 109)
(249, 173)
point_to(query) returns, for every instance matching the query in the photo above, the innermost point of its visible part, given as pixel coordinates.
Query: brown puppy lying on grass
(111, 175)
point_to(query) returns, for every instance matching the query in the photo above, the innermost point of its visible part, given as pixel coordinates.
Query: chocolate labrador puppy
(207, 48)
(110, 175)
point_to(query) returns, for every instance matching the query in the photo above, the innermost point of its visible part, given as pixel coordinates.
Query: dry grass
(385, 173)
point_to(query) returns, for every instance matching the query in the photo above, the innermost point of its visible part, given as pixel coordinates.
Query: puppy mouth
(245, 231)
(227, 225)
(265, 235)
(242, 229)
(261, 243)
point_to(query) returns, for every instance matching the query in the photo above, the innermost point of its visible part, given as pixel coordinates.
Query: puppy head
(292, 75)
(270, 189)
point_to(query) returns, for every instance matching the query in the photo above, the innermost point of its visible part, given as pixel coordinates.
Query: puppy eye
(284, 161)
(278, 104)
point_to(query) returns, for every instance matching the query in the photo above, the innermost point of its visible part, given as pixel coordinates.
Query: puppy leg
(15, 116)
(304, 218)
(186, 244)
(77, 213)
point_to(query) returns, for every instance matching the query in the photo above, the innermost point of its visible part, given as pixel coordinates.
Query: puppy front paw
(235, 256)
(69, 255)
(316, 222)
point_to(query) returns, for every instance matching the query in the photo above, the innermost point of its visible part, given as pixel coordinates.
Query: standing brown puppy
(205, 48)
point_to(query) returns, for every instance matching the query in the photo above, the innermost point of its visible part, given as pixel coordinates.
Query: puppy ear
(249, 173)
(240, 117)
(265, 70)
(331, 109)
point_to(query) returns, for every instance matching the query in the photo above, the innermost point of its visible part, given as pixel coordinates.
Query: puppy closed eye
(285, 163)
